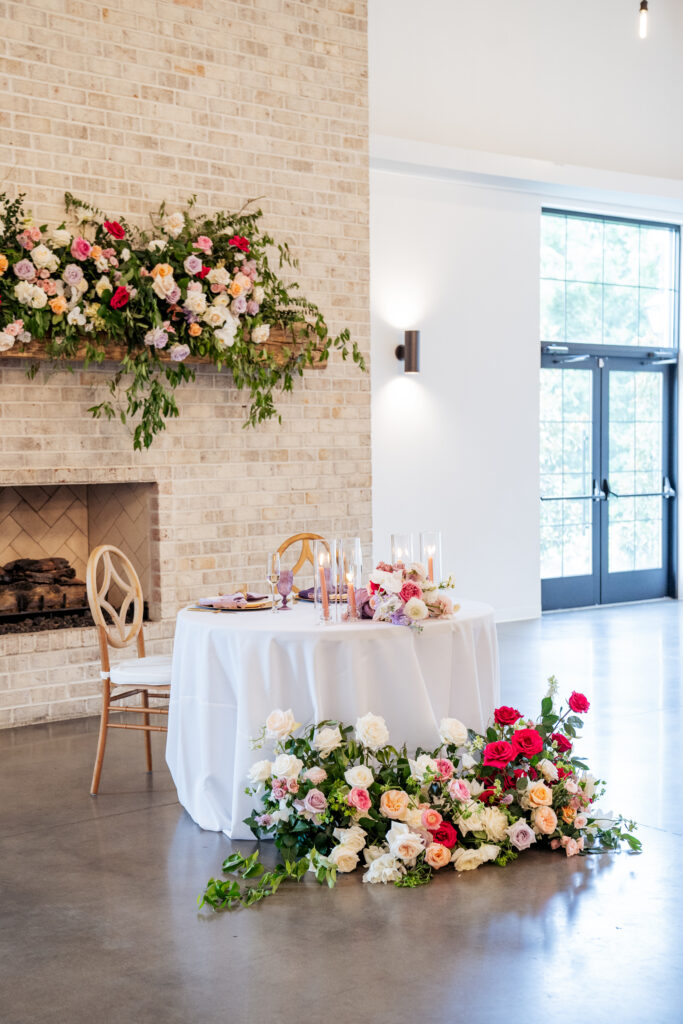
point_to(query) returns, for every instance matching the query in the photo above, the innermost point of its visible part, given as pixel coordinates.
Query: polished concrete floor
(98, 920)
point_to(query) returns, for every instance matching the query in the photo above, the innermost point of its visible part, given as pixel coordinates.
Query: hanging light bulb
(642, 20)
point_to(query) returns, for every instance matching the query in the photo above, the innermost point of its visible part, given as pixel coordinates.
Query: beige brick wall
(130, 103)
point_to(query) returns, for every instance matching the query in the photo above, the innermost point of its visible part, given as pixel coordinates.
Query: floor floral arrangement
(191, 285)
(336, 798)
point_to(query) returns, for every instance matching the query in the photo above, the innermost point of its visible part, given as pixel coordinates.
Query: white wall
(567, 81)
(455, 253)
(456, 447)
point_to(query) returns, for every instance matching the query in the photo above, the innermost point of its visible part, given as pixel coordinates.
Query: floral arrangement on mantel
(335, 799)
(404, 595)
(191, 287)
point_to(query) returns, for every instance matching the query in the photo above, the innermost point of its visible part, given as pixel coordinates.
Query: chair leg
(102, 740)
(147, 735)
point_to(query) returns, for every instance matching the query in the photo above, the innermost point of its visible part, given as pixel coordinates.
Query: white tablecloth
(231, 669)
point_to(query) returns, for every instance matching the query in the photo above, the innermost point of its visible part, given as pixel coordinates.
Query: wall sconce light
(642, 20)
(409, 352)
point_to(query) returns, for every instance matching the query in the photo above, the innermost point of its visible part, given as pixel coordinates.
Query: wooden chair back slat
(306, 554)
(119, 633)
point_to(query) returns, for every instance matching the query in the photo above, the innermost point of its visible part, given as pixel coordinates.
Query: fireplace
(46, 534)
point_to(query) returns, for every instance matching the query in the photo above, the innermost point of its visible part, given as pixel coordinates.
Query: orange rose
(162, 270)
(437, 856)
(568, 815)
(394, 804)
(539, 795)
(96, 252)
(3, 265)
(544, 820)
(235, 289)
(194, 330)
(58, 304)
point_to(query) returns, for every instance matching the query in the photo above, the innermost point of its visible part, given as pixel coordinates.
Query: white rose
(260, 771)
(76, 317)
(218, 275)
(286, 766)
(372, 732)
(215, 316)
(156, 245)
(2, 226)
(163, 286)
(6, 341)
(101, 264)
(548, 770)
(344, 859)
(587, 778)
(23, 292)
(260, 334)
(125, 254)
(423, 765)
(327, 740)
(495, 824)
(418, 570)
(384, 868)
(389, 581)
(353, 838)
(467, 860)
(224, 338)
(173, 224)
(102, 286)
(258, 294)
(413, 817)
(280, 724)
(195, 302)
(416, 609)
(472, 820)
(38, 298)
(404, 844)
(452, 732)
(61, 237)
(360, 775)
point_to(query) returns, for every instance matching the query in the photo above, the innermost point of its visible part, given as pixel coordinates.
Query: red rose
(578, 703)
(120, 298)
(498, 754)
(409, 590)
(506, 716)
(446, 835)
(203, 272)
(487, 796)
(114, 229)
(372, 587)
(239, 243)
(563, 744)
(527, 742)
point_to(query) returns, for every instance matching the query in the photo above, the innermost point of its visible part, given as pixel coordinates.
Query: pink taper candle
(323, 591)
(431, 568)
(352, 598)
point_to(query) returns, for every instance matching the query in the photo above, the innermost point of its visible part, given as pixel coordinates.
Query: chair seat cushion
(152, 671)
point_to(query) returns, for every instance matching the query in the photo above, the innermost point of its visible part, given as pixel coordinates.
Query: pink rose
(205, 244)
(315, 801)
(315, 775)
(554, 844)
(571, 846)
(192, 264)
(80, 248)
(72, 274)
(279, 789)
(431, 819)
(359, 798)
(14, 328)
(445, 768)
(571, 786)
(459, 790)
(292, 785)
(264, 820)
(409, 590)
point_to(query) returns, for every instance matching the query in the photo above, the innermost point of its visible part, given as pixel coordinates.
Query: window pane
(552, 311)
(585, 243)
(621, 253)
(584, 313)
(553, 246)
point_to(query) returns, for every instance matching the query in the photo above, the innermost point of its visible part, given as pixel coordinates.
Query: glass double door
(607, 489)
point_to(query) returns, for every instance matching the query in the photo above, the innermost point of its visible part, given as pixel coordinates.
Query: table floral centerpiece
(404, 595)
(336, 798)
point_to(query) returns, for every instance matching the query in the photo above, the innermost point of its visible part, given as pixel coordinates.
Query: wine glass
(273, 575)
(284, 588)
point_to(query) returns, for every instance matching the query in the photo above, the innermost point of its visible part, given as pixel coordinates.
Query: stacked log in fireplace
(34, 585)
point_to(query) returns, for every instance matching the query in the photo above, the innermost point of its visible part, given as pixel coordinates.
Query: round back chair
(115, 572)
(306, 553)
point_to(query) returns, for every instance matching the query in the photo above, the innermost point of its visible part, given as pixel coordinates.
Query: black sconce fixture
(409, 352)
(642, 20)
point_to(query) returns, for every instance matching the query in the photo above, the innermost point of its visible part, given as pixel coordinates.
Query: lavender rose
(156, 337)
(72, 274)
(25, 270)
(179, 352)
(252, 307)
(521, 834)
(315, 801)
(192, 264)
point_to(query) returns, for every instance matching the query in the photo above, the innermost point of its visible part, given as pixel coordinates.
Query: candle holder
(352, 558)
(430, 555)
(402, 548)
(323, 588)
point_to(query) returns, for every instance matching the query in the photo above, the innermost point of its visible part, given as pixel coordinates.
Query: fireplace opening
(46, 534)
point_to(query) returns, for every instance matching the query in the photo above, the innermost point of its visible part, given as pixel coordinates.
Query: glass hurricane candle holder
(430, 555)
(352, 558)
(402, 548)
(323, 586)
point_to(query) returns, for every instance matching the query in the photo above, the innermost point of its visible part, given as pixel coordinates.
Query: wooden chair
(108, 568)
(306, 554)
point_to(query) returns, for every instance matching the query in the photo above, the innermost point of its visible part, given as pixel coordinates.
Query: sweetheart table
(231, 669)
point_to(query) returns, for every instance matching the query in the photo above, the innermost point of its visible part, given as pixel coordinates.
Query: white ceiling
(567, 81)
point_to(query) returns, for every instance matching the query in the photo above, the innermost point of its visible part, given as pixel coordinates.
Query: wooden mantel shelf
(35, 351)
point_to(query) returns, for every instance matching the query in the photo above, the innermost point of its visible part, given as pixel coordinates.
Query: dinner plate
(252, 606)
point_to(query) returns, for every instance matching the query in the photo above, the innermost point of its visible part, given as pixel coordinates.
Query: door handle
(600, 493)
(667, 490)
